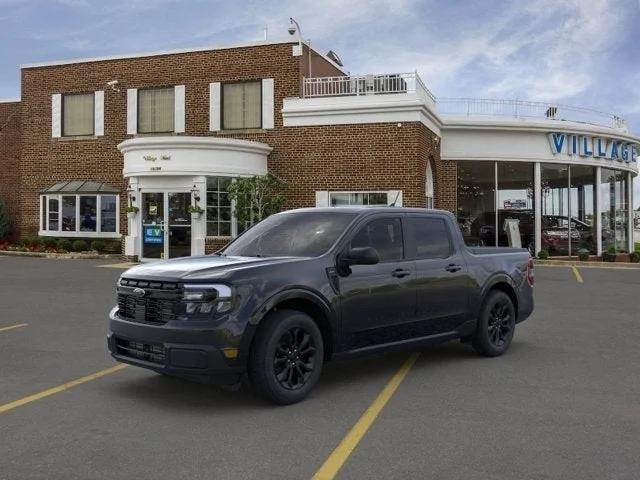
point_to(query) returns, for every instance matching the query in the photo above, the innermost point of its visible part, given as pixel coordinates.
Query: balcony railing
(478, 107)
(356, 85)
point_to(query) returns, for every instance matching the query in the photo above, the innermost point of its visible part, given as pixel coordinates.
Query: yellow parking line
(577, 274)
(60, 388)
(336, 460)
(19, 325)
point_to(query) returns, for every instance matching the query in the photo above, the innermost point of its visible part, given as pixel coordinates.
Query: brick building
(162, 131)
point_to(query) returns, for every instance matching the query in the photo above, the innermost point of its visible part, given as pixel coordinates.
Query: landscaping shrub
(98, 245)
(65, 244)
(49, 243)
(79, 246)
(31, 243)
(583, 254)
(635, 257)
(543, 254)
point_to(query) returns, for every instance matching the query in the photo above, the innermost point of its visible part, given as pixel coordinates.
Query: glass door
(179, 222)
(166, 225)
(153, 221)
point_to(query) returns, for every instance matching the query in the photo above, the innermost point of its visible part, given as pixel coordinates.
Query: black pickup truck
(305, 286)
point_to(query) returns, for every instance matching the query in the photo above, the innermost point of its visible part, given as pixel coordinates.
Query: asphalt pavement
(563, 403)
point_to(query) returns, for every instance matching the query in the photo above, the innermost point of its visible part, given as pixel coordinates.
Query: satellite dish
(334, 57)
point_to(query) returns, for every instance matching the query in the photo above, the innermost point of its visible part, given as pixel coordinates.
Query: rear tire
(286, 359)
(496, 325)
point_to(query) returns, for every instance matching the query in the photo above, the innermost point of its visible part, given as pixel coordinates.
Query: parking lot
(563, 403)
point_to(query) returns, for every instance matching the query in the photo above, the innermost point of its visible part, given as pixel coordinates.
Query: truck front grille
(157, 306)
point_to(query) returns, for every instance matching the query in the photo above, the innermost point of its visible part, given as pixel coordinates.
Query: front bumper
(191, 353)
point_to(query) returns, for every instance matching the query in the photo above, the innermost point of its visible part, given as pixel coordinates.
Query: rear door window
(383, 234)
(430, 236)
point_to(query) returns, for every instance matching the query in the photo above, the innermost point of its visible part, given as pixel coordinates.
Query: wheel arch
(300, 300)
(505, 284)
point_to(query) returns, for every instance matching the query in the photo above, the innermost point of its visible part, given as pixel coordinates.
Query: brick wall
(381, 156)
(9, 160)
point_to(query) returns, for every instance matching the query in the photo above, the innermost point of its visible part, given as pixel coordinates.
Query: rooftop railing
(356, 85)
(479, 107)
(397, 83)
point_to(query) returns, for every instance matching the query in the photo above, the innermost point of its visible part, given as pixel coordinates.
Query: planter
(131, 215)
(609, 257)
(196, 215)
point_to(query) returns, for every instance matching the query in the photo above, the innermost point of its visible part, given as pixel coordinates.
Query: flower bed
(46, 246)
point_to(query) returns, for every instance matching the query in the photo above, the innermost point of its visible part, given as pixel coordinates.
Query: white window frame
(78, 233)
(263, 89)
(234, 220)
(391, 196)
(57, 115)
(429, 186)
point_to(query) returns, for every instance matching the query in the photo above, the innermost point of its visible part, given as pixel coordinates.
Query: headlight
(205, 299)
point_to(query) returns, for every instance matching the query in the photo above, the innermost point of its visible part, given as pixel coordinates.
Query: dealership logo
(139, 292)
(596, 147)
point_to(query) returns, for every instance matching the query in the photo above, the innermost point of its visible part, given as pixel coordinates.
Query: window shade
(78, 114)
(156, 110)
(242, 105)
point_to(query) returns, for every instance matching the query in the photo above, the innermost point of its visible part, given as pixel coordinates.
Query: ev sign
(596, 147)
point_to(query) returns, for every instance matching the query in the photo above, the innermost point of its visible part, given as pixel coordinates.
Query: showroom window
(78, 114)
(477, 202)
(219, 208)
(516, 212)
(156, 110)
(339, 199)
(241, 105)
(79, 215)
(614, 210)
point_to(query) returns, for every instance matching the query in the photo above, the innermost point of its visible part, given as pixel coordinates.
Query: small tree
(5, 227)
(255, 198)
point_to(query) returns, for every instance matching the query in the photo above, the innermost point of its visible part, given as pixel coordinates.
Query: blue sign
(153, 235)
(597, 147)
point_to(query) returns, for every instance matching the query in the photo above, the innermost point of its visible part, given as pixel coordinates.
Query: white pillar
(598, 213)
(132, 244)
(630, 212)
(537, 205)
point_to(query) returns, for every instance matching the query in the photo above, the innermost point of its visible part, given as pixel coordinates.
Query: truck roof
(366, 209)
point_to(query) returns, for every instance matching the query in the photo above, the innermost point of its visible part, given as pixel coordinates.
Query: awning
(81, 186)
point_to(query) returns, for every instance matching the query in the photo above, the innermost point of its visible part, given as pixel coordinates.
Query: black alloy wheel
(286, 356)
(295, 358)
(496, 325)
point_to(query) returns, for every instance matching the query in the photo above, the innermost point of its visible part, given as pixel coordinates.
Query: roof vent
(333, 56)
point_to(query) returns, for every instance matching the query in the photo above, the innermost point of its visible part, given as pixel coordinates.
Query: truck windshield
(304, 234)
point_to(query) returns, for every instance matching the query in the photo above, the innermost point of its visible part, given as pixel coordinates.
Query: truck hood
(202, 267)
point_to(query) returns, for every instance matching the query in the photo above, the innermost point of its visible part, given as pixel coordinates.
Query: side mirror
(360, 256)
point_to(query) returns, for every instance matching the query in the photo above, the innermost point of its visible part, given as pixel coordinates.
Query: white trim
(630, 239)
(598, 212)
(322, 198)
(537, 206)
(56, 115)
(391, 108)
(48, 233)
(132, 111)
(174, 52)
(215, 110)
(268, 99)
(179, 109)
(98, 113)
(10, 100)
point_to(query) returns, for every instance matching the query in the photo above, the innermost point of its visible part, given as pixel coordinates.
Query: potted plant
(635, 257)
(610, 255)
(132, 212)
(583, 255)
(196, 211)
(543, 254)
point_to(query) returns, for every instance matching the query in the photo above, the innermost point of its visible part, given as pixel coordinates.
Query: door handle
(453, 268)
(399, 273)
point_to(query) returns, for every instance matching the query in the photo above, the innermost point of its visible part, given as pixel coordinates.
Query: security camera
(112, 83)
(291, 30)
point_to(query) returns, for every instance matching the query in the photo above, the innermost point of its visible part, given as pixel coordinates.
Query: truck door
(374, 299)
(442, 281)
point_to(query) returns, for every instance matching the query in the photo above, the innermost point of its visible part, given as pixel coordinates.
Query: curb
(62, 256)
(577, 263)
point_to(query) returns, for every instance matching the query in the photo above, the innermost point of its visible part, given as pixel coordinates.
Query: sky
(580, 52)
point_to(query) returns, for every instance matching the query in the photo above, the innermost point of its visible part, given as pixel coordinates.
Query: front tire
(286, 358)
(496, 325)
